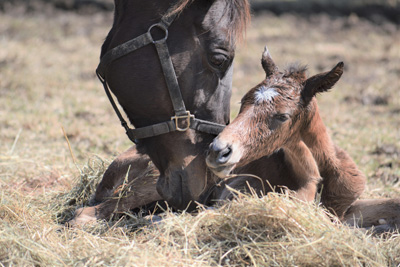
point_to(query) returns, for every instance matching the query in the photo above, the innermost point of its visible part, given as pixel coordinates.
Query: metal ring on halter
(162, 27)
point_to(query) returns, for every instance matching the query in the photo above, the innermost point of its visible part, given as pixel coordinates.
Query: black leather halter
(182, 120)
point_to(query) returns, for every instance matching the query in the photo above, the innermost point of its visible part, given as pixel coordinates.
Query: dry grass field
(48, 87)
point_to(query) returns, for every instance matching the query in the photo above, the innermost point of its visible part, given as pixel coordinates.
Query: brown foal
(280, 115)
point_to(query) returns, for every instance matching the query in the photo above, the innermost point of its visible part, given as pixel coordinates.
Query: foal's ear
(321, 82)
(267, 63)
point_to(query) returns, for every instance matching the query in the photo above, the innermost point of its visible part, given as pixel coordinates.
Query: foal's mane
(238, 11)
(297, 71)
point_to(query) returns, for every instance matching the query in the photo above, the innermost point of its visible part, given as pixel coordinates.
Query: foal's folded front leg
(130, 167)
(128, 183)
(305, 169)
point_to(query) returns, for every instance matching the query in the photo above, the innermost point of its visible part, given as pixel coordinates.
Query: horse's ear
(267, 63)
(321, 82)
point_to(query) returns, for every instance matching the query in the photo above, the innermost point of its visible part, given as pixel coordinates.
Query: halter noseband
(182, 120)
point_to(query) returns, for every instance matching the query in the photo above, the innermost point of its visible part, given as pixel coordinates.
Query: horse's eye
(281, 117)
(218, 60)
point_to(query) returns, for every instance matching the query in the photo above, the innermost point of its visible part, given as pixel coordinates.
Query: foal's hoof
(83, 216)
(383, 229)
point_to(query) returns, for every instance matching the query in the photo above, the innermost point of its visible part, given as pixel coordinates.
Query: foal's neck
(316, 137)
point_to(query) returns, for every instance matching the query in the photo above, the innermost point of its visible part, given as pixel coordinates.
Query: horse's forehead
(226, 19)
(215, 21)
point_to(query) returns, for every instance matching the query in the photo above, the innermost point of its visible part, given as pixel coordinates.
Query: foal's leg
(128, 183)
(131, 160)
(141, 192)
(383, 214)
(306, 169)
(343, 183)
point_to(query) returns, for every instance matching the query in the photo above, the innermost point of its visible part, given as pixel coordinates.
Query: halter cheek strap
(182, 120)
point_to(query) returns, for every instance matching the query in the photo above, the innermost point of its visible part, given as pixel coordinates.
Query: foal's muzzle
(220, 158)
(219, 153)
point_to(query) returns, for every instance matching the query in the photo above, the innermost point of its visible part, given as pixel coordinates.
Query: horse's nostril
(224, 155)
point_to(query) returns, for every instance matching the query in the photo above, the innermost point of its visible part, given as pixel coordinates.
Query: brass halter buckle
(188, 116)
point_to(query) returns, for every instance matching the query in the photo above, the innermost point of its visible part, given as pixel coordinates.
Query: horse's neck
(318, 141)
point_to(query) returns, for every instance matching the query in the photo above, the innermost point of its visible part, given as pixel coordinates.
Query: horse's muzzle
(175, 191)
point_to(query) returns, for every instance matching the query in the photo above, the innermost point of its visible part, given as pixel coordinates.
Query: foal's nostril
(224, 155)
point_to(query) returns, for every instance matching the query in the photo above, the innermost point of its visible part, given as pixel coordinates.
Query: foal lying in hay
(279, 118)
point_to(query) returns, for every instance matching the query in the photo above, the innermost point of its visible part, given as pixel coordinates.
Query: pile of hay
(272, 231)
(269, 231)
(64, 205)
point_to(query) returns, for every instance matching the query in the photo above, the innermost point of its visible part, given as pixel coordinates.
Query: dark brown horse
(169, 64)
(279, 126)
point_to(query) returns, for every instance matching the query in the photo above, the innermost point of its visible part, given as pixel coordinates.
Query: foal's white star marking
(265, 94)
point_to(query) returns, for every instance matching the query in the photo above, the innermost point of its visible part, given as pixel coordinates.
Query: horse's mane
(238, 12)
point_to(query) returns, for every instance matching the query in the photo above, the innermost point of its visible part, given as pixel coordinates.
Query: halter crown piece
(182, 116)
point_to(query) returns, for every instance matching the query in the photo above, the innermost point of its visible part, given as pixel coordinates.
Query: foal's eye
(218, 60)
(281, 117)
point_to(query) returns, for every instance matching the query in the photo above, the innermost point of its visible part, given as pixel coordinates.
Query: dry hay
(272, 231)
(46, 81)
(79, 195)
(269, 231)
